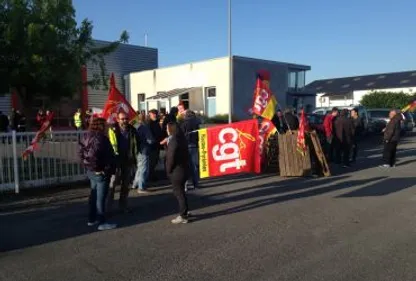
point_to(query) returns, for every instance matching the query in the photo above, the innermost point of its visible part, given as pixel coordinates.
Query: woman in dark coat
(177, 165)
(97, 155)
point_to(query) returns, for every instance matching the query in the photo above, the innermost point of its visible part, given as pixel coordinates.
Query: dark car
(377, 119)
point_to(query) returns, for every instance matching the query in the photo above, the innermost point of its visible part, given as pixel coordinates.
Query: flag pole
(230, 65)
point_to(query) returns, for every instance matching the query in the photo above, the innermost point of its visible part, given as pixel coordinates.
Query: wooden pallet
(291, 162)
(319, 154)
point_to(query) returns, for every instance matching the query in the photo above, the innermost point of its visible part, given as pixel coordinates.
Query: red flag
(264, 101)
(117, 103)
(267, 128)
(34, 145)
(262, 77)
(410, 106)
(229, 149)
(301, 144)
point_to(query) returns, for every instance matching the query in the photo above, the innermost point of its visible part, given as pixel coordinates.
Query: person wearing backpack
(98, 157)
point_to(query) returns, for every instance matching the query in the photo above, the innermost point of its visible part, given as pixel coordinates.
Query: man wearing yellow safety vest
(78, 120)
(125, 141)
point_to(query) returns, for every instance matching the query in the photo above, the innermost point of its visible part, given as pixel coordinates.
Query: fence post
(15, 163)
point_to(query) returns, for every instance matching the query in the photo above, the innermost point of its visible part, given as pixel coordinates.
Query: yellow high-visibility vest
(77, 120)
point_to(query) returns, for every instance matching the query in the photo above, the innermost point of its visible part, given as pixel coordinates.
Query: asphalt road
(359, 224)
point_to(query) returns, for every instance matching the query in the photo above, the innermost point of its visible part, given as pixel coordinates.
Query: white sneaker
(107, 226)
(92, 223)
(179, 219)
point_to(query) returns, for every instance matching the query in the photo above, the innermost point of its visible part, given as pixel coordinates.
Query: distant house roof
(404, 79)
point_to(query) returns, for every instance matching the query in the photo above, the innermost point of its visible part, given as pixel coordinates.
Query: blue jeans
(99, 190)
(142, 172)
(194, 164)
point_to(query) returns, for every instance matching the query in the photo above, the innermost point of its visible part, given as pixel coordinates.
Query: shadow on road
(385, 187)
(283, 198)
(54, 223)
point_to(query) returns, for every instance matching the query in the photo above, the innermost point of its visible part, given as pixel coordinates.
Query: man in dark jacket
(125, 141)
(278, 121)
(158, 136)
(291, 122)
(14, 120)
(190, 127)
(391, 138)
(177, 165)
(4, 123)
(358, 129)
(170, 118)
(344, 133)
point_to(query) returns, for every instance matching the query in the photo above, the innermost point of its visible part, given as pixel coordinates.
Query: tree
(382, 99)
(42, 49)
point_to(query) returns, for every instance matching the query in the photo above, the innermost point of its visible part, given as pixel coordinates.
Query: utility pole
(231, 80)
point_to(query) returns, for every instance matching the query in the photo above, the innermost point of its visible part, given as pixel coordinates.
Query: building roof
(241, 58)
(171, 93)
(393, 80)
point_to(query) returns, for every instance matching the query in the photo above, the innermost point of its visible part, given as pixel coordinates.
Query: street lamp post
(231, 80)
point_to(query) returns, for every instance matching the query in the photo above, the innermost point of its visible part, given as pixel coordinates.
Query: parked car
(378, 119)
(414, 117)
(409, 122)
(362, 112)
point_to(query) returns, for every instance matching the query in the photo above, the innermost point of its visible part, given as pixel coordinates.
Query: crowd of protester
(126, 156)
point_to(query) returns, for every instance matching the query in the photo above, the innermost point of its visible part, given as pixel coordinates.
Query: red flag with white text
(265, 103)
(229, 149)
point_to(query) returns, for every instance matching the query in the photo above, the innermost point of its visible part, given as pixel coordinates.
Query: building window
(347, 96)
(211, 101)
(296, 79)
(184, 99)
(141, 101)
(162, 107)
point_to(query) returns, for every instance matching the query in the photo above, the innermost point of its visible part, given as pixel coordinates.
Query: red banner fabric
(264, 101)
(117, 103)
(229, 149)
(34, 145)
(301, 144)
(266, 130)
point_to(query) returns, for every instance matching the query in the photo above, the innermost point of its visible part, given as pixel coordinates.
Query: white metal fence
(55, 162)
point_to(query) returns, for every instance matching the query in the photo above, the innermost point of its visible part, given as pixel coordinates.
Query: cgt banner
(229, 149)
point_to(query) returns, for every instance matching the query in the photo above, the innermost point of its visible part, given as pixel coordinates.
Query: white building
(350, 90)
(205, 86)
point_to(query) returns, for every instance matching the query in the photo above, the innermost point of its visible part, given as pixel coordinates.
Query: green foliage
(42, 49)
(382, 99)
